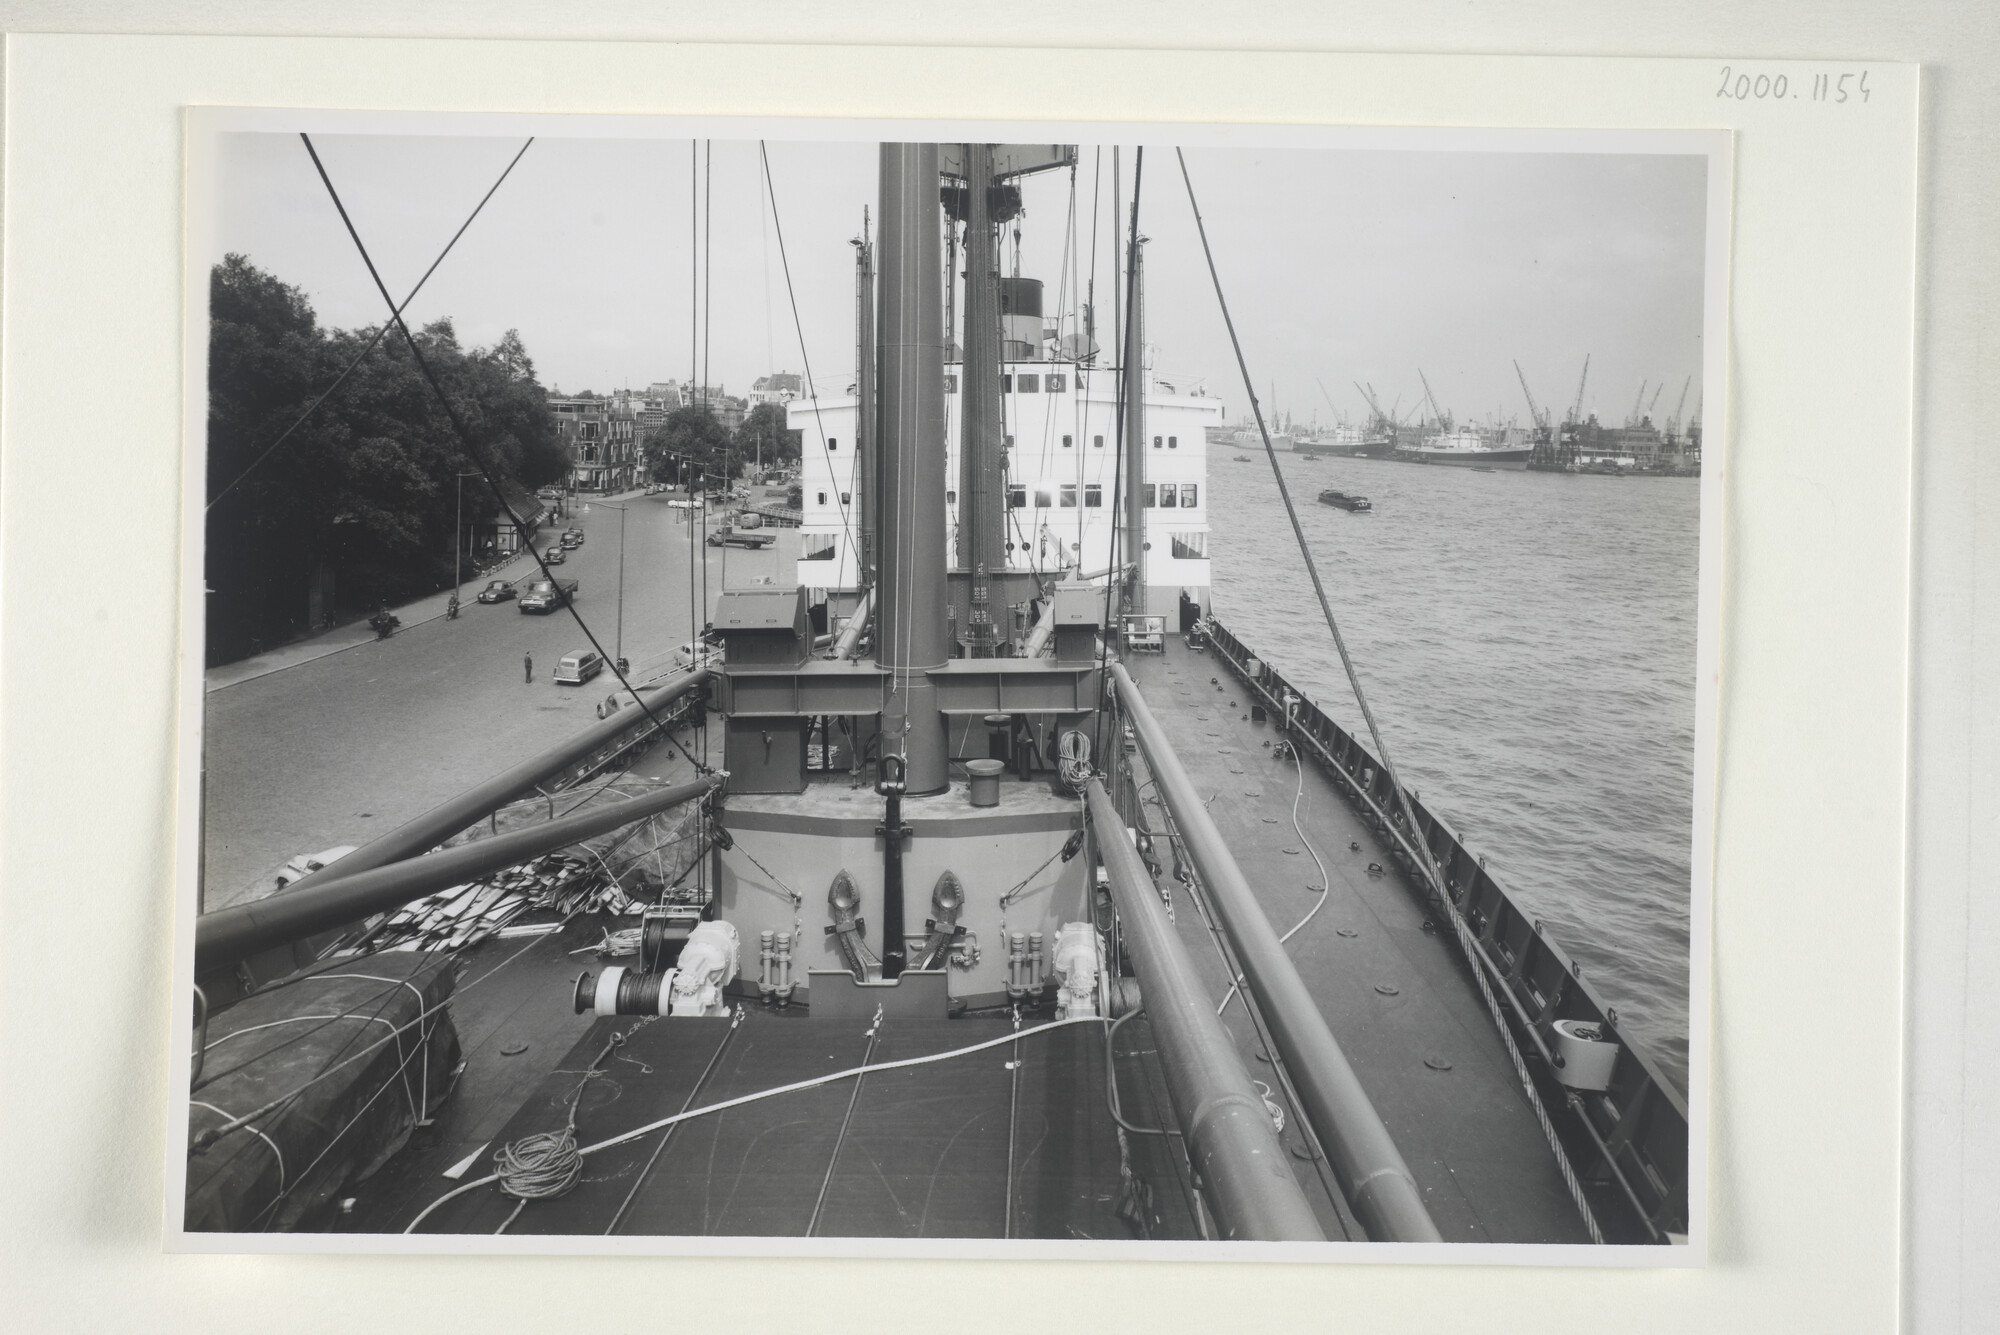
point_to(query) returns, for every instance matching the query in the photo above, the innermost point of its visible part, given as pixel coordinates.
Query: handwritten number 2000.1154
(1742, 87)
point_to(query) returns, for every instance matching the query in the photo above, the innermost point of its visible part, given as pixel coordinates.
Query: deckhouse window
(1187, 495)
(1041, 498)
(1006, 384)
(816, 546)
(1028, 384)
(1169, 495)
(1173, 442)
(1068, 441)
(1069, 496)
(1016, 497)
(832, 444)
(1156, 442)
(1055, 384)
(1093, 496)
(1146, 495)
(822, 498)
(1097, 442)
(1191, 546)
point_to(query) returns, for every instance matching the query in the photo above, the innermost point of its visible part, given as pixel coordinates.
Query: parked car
(554, 556)
(577, 668)
(698, 654)
(572, 537)
(497, 591)
(546, 595)
(305, 864)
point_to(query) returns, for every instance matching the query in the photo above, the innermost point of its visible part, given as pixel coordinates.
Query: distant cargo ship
(1464, 447)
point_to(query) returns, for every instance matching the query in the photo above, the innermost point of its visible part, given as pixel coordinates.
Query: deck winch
(694, 986)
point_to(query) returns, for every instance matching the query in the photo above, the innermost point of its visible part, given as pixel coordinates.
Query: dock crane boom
(1674, 426)
(1633, 420)
(1444, 423)
(1328, 397)
(1540, 418)
(1368, 395)
(1656, 398)
(1576, 413)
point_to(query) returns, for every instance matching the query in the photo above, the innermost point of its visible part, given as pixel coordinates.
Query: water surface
(1527, 643)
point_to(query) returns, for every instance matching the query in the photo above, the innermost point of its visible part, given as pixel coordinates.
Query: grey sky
(1339, 265)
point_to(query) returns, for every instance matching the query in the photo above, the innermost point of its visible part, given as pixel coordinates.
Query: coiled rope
(548, 1164)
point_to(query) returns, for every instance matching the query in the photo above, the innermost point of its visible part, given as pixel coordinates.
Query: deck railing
(1633, 1134)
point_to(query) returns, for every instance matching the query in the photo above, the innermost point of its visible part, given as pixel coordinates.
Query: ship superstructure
(1061, 460)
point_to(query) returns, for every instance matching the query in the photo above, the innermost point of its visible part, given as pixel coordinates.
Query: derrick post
(910, 604)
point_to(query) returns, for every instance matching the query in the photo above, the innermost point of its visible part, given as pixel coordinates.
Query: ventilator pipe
(441, 822)
(1234, 1147)
(1365, 1160)
(228, 935)
(849, 639)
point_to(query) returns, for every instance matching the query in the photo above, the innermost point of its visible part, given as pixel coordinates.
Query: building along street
(342, 748)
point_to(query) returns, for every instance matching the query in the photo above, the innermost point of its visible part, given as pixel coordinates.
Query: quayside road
(341, 748)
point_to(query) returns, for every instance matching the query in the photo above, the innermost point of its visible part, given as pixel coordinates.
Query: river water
(1527, 643)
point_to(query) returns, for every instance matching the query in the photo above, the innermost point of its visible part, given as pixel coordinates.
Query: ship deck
(971, 1146)
(1394, 993)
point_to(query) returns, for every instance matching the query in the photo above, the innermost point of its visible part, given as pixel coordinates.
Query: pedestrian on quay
(528, 668)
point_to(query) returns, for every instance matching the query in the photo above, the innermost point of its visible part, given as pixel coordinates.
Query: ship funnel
(1021, 319)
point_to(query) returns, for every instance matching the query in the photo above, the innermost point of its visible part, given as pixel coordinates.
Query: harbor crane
(1443, 419)
(1328, 397)
(1392, 417)
(1674, 422)
(1576, 413)
(1655, 403)
(1535, 413)
(1633, 419)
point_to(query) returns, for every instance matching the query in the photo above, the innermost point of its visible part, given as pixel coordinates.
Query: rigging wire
(375, 339)
(1434, 879)
(805, 359)
(814, 1082)
(475, 455)
(1133, 542)
(694, 1092)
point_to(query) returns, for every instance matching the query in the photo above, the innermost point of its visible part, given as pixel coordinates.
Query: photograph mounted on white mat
(860, 690)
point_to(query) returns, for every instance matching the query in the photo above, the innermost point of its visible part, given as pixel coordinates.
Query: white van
(577, 668)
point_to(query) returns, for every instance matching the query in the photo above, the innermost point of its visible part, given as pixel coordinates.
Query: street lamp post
(619, 652)
(458, 542)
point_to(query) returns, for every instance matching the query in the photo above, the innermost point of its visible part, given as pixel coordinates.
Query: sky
(1338, 265)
